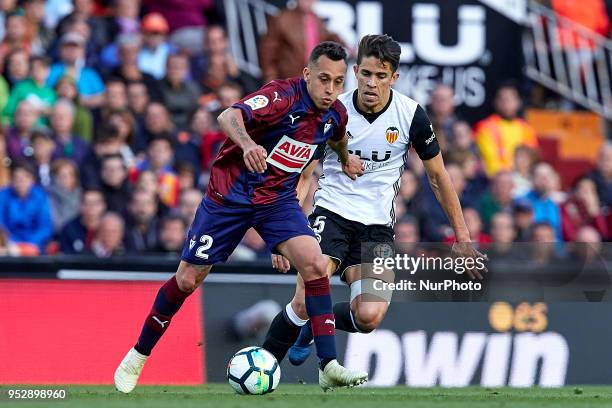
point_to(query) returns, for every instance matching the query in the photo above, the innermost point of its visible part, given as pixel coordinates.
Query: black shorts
(348, 242)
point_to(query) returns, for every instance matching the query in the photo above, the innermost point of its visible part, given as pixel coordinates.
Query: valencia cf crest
(392, 134)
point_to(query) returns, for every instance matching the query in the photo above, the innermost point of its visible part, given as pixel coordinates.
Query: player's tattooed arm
(352, 165)
(232, 124)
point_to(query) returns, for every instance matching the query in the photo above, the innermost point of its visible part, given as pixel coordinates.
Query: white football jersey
(383, 146)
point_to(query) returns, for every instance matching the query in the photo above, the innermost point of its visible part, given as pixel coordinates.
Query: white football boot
(334, 376)
(129, 370)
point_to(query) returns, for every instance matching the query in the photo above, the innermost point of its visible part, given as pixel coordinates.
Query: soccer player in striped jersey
(273, 135)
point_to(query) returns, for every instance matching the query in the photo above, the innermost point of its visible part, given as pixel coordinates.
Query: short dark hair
(330, 49)
(43, 59)
(108, 157)
(162, 137)
(172, 217)
(381, 46)
(510, 84)
(22, 164)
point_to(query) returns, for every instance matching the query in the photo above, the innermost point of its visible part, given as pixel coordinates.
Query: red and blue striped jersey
(283, 119)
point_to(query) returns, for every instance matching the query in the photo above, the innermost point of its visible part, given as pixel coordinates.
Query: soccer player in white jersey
(382, 125)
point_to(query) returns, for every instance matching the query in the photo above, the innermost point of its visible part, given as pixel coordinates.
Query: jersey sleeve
(340, 130)
(422, 136)
(267, 106)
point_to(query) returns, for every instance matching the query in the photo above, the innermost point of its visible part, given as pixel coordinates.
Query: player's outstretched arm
(441, 184)
(232, 124)
(352, 165)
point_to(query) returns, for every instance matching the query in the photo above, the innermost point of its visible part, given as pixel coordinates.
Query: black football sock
(281, 335)
(344, 317)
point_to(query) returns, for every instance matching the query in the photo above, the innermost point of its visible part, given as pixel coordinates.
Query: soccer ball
(253, 370)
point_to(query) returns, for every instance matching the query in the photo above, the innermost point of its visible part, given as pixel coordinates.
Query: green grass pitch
(289, 395)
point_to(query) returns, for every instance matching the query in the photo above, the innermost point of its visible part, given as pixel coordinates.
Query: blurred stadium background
(108, 132)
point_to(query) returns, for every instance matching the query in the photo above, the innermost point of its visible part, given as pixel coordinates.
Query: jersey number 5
(318, 225)
(206, 241)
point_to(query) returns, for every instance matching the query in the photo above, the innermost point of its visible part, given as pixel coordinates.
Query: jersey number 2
(206, 241)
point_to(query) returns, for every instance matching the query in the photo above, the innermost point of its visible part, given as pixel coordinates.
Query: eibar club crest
(392, 134)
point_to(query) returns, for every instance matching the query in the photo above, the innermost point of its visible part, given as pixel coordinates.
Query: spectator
(186, 175)
(291, 36)
(442, 114)
(77, 235)
(543, 237)
(159, 161)
(229, 93)
(83, 118)
(187, 19)
(211, 139)
(17, 67)
(5, 161)
(126, 15)
(462, 137)
(407, 230)
(64, 193)
(219, 58)
(15, 37)
(72, 59)
(4, 93)
(138, 99)
(37, 33)
(501, 133)
(115, 97)
(525, 158)
(83, 13)
(589, 245)
(476, 182)
(502, 229)
(114, 183)
(189, 202)
(153, 55)
(583, 209)
(19, 137)
(24, 208)
(523, 219)
(544, 208)
(43, 147)
(68, 145)
(123, 121)
(6, 7)
(602, 174)
(498, 198)
(9, 248)
(107, 143)
(157, 123)
(34, 90)
(108, 241)
(187, 149)
(128, 69)
(141, 235)
(474, 226)
(180, 95)
(172, 233)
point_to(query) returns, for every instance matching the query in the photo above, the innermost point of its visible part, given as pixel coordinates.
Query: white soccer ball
(253, 370)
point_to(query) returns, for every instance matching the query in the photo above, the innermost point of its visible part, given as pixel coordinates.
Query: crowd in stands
(108, 113)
